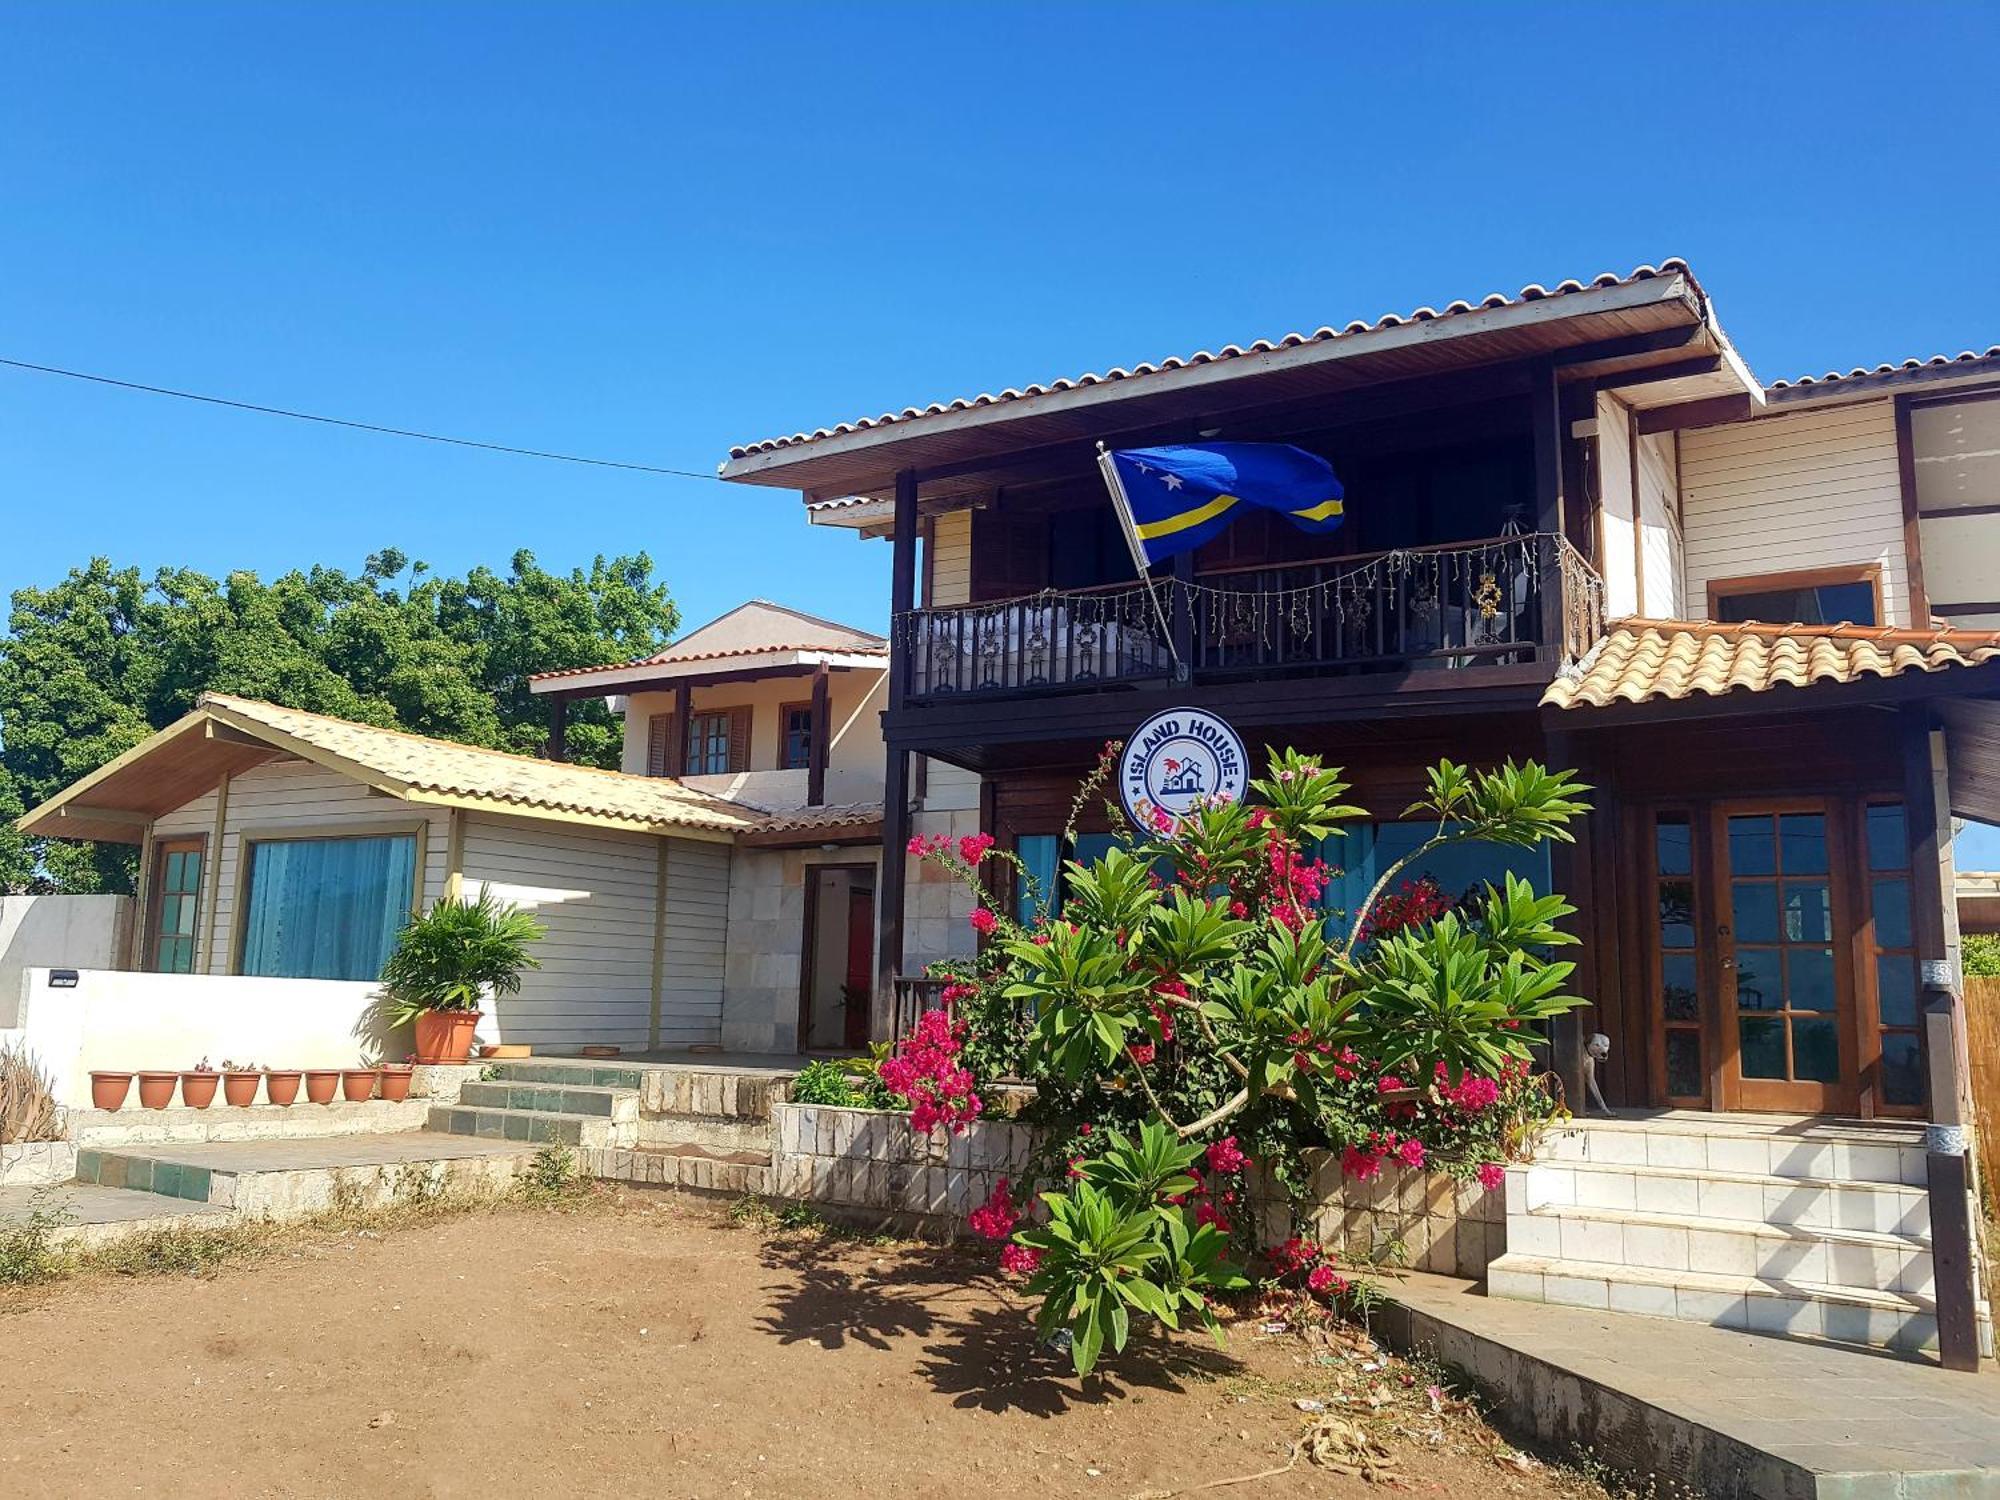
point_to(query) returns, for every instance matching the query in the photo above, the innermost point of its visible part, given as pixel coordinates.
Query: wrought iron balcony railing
(1505, 600)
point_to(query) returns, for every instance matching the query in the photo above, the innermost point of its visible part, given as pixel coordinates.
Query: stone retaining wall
(36, 1163)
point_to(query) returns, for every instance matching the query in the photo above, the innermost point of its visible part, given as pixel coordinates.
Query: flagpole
(1122, 504)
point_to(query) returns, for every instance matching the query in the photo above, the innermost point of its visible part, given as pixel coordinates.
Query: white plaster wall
(131, 1021)
(1662, 550)
(1618, 539)
(1809, 489)
(855, 701)
(58, 932)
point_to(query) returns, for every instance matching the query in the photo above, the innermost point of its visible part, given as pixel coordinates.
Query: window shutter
(660, 745)
(739, 740)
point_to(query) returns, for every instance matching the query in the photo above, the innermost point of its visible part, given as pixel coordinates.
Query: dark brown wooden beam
(1680, 369)
(558, 746)
(816, 747)
(1913, 537)
(1712, 411)
(1659, 341)
(896, 820)
(677, 752)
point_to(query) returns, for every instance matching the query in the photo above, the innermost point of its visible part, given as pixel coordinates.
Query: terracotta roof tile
(1907, 367)
(1643, 660)
(1531, 293)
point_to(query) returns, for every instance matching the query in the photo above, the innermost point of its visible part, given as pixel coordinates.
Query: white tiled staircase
(1777, 1224)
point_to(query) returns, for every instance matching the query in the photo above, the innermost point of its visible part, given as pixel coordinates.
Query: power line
(306, 416)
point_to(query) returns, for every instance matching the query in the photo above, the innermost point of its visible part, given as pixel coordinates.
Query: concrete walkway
(1723, 1412)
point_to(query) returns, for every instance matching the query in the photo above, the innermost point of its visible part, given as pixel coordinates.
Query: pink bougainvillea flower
(974, 847)
(1320, 1279)
(1361, 1165)
(1388, 1083)
(1492, 1175)
(917, 846)
(1226, 1156)
(983, 921)
(1020, 1260)
(1142, 1053)
(995, 1218)
(1411, 1152)
(1208, 1213)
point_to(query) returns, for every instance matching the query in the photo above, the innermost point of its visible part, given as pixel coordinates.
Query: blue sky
(646, 232)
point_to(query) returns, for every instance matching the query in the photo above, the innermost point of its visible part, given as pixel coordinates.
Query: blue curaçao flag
(1173, 499)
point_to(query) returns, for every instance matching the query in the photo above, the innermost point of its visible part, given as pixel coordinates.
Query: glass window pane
(1888, 837)
(1679, 994)
(1674, 839)
(1763, 1045)
(1037, 851)
(1677, 913)
(1753, 845)
(1754, 907)
(1684, 1070)
(170, 914)
(183, 915)
(170, 874)
(1808, 913)
(326, 908)
(1816, 1050)
(1803, 837)
(1759, 985)
(1902, 1069)
(1810, 981)
(1892, 914)
(1896, 989)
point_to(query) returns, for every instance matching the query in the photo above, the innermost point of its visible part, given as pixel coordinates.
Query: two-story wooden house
(1761, 621)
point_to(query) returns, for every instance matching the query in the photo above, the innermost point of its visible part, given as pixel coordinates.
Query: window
(708, 744)
(1823, 596)
(1039, 853)
(1677, 964)
(326, 908)
(795, 724)
(1459, 871)
(1897, 1006)
(176, 904)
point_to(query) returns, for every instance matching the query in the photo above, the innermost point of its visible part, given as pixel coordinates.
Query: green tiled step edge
(575, 1075)
(512, 1125)
(548, 1099)
(143, 1174)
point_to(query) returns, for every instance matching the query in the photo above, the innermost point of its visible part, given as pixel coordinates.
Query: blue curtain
(326, 908)
(1040, 852)
(1459, 869)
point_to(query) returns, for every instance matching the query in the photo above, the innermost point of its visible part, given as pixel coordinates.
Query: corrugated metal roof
(1534, 292)
(1644, 660)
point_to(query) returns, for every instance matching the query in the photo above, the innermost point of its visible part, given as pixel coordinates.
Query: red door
(859, 988)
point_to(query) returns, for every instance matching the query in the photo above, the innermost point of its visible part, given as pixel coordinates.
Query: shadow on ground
(979, 1344)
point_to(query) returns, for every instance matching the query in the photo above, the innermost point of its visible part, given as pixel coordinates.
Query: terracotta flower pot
(396, 1082)
(445, 1036)
(357, 1085)
(281, 1085)
(108, 1090)
(156, 1090)
(198, 1089)
(240, 1088)
(322, 1084)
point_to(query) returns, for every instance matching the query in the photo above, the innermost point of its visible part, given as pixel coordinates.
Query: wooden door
(860, 986)
(174, 908)
(1782, 915)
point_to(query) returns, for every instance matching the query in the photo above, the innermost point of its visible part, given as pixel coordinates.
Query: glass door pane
(177, 907)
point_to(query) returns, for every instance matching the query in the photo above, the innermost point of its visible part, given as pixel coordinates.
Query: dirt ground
(642, 1344)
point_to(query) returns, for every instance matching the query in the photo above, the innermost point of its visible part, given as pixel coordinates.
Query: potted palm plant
(447, 961)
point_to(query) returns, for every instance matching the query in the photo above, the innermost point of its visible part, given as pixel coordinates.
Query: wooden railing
(1510, 599)
(913, 994)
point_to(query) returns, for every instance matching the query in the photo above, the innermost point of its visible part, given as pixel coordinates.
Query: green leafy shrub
(825, 1082)
(1982, 955)
(456, 954)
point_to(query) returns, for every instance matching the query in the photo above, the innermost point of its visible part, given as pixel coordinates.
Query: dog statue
(1598, 1050)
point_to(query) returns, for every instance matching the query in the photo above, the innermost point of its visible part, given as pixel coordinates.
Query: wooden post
(896, 820)
(816, 747)
(677, 752)
(558, 728)
(1570, 875)
(1545, 427)
(1944, 1022)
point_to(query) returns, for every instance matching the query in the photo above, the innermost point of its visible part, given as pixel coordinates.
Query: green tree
(92, 665)
(1982, 954)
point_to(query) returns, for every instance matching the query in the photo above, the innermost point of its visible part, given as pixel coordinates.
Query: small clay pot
(357, 1085)
(240, 1087)
(281, 1085)
(198, 1089)
(396, 1082)
(108, 1090)
(322, 1084)
(156, 1090)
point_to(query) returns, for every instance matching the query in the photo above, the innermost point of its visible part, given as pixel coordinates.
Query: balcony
(1520, 601)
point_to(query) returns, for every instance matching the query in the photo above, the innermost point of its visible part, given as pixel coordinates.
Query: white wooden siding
(296, 798)
(696, 939)
(1617, 540)
(1662, 594)
(1806, 490)
(951, 558)
(595, 891)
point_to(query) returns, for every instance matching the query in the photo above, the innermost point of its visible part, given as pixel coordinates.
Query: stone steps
(1899, 1321)
(90, 1215)
(1816, 1228)
(688, 1166)
(533, 1127)
(617, 1104)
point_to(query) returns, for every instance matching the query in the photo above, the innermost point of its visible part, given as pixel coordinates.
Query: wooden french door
(175, 906)
(1781, 955)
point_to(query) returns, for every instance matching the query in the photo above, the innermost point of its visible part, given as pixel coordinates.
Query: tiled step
(621, 1105)
(1747, 1247)
(91, 1215)
(534, 1127)
(1707, 1193)
(576, 1074)
(1834, 1150)
(1880, 1319)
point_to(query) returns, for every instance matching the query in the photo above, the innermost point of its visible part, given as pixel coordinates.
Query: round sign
(1176, 759)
